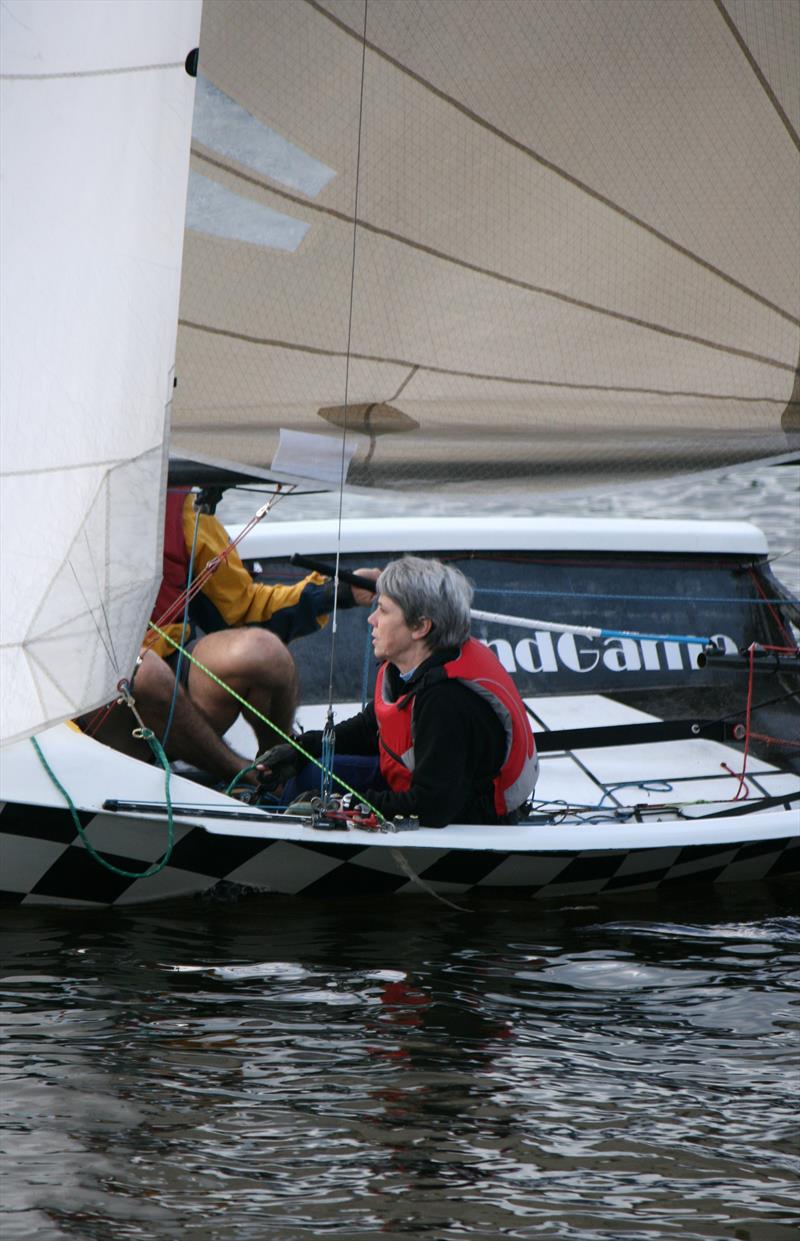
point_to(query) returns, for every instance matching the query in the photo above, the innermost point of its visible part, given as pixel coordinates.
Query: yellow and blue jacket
(229, 597)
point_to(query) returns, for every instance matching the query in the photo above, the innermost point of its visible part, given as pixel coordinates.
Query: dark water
(277, 1068)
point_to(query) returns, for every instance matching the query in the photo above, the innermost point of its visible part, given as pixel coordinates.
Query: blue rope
(689, 638)
(185, 622)
(560, 594)
(365, 669)
(326, 757)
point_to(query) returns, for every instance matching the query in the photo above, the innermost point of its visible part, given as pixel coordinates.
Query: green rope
(240, 776)
(155, 746)
(253, 711)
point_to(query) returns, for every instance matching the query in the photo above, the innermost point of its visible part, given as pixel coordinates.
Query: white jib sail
(96, 120)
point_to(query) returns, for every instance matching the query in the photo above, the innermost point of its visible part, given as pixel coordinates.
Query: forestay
(96, 115)
(573, 229)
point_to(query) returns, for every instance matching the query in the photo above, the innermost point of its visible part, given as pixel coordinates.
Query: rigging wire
(619, 597)
(106, 639)
(775, 615)
(347, 362)
(193, 588)
(211, 567)
(113, 656)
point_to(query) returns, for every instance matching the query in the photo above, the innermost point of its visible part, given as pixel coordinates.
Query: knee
(153, 681)
(263, 652)
(249, 656)
(271, 664)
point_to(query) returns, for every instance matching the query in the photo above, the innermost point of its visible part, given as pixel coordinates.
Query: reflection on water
(287, 1069)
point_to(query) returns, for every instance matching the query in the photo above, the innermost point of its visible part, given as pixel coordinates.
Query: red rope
(775, 740)
(198, 582)
(99, 718)
(742, 785)
(748, 734)
(776, 616)
(101, 715)
(736, 795)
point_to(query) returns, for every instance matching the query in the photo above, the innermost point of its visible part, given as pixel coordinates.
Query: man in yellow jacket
(245, 626)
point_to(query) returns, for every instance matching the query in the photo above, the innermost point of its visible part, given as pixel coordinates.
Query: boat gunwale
(282, 538)
(520, 839)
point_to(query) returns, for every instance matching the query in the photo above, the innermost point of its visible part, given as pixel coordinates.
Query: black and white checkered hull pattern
(44, 862)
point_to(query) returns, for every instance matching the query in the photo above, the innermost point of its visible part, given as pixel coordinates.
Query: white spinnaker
(96, 120)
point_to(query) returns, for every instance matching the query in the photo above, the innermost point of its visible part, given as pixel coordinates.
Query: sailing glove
(282, 760)
(328, 593)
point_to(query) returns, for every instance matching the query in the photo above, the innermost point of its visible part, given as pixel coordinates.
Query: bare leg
(259, 667)
(192, 737)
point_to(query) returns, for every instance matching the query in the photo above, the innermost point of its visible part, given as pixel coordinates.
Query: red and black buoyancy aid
(176, 556)
(480, 670)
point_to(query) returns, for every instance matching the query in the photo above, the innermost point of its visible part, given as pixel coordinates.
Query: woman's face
(393, 639)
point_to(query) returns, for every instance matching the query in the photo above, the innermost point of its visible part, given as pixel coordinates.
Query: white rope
(586, 631)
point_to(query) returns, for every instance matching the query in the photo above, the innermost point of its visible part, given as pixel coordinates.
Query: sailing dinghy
(479, 247)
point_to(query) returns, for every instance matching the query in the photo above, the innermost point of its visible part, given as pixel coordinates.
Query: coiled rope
(146, 735)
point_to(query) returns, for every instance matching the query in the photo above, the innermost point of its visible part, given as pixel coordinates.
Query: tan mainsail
(577, 248)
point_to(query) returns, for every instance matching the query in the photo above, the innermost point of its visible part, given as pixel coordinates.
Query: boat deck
(604, 820)
(573, 784)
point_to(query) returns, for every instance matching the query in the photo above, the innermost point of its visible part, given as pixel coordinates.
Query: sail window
(229, 129)
(211, 208)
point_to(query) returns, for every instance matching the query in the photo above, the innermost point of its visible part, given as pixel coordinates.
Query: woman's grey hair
(430, 590)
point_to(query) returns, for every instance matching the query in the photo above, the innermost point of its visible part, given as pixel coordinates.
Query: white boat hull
(640, 813)
(219, 842)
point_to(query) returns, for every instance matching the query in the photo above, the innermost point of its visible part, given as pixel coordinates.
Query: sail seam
(34, 667)
(511, 379)
(67, 560)
(404, 384)
(44, 636)
(554, 168)
(88, 73)
(108, 646)
(514, 281)
(762, 79)
(110, 464)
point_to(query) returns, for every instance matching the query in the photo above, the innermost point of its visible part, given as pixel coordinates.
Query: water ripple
(302, 1070)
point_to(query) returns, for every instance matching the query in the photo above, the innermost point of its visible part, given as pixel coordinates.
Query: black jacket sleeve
(458, 747)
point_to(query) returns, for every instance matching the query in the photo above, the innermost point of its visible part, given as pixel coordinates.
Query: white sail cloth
(96, 116)
(578, 241)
